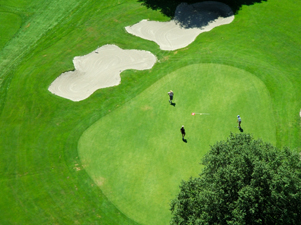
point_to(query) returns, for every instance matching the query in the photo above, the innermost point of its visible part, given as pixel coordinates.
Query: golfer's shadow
(240, 129)
(185, 140)
(173, 104)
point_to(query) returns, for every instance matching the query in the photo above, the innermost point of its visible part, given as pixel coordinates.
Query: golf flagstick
(200, 113)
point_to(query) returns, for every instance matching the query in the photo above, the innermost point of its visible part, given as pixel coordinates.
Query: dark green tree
(168, 7)
(244, 181)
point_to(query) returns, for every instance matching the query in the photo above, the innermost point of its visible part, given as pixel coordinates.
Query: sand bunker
(189, 22)
(99, 69)
(102, 68)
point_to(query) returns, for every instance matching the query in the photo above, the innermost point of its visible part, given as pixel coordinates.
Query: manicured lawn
(250, 67)
(136, 155)
(10, 23)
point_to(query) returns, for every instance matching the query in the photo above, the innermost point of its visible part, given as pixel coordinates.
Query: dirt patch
(99, 181)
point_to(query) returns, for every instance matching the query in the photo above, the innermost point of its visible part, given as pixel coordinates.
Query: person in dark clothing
(183, 132)
(170, 96)
(239, 122)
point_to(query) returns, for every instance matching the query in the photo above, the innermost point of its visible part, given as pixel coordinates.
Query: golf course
(116, 155)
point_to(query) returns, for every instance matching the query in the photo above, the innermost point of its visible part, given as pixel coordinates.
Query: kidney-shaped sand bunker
(99, 69)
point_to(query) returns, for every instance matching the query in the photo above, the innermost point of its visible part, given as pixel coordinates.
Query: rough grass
(42, 179)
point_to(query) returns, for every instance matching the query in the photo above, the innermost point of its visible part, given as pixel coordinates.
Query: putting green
(135, 154)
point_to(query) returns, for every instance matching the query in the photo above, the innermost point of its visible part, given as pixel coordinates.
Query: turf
(136, 155)
(16, 3)
(42, 178)
(10, 23)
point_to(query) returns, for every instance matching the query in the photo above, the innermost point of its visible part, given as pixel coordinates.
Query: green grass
(135, 154)
(10, 23)
(42, 177)
(16, 3)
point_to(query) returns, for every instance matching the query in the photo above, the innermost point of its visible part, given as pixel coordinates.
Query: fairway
(11, 23)
(117, 157)
(135, 154)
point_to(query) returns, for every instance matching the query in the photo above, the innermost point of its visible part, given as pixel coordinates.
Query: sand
(99, 69)
(188, 23)
(102, 67)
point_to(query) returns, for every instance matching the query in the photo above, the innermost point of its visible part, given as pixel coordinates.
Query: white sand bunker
(99, 69)
(189, 22)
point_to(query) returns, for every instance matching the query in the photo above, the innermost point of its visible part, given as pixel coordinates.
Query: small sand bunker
(189, 22)
(99, 69)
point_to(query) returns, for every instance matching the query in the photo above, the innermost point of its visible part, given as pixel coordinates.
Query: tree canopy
(168, 7)
(244, 181)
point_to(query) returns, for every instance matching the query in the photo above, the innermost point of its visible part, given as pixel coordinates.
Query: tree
(244, 181)
(168, 7)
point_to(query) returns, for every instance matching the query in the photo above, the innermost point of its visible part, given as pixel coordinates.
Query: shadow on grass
(173, 104)
(200, 14)
(168, 7)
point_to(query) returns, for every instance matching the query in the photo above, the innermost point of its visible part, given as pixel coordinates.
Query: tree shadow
(168, 7)
(200, 14)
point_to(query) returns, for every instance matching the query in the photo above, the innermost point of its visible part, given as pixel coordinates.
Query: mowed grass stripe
(136, 155)
(45, 17)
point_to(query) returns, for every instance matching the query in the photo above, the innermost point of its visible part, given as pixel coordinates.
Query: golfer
(238, 120)
(182, 132)
(170, 96)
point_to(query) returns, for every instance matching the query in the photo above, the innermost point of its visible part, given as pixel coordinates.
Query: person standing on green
(183, 132)
(170, 96)
(238, 120)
